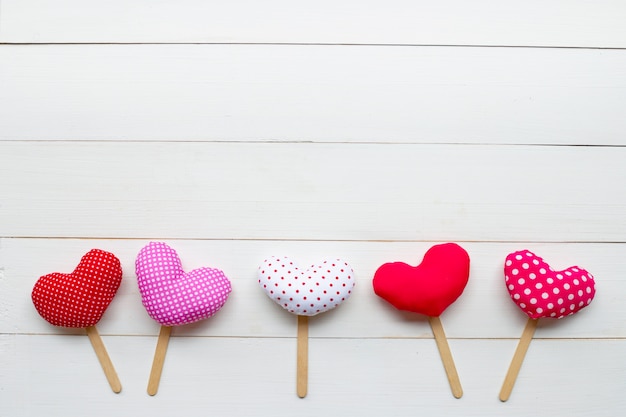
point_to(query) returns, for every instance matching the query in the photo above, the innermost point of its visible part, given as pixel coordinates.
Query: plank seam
(221, 239)
(311, 142)
(425, 45)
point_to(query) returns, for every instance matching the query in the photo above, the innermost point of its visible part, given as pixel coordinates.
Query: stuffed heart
(173, 297)
(79, 299)
(540, 291)
(428, 288)
(319, 288)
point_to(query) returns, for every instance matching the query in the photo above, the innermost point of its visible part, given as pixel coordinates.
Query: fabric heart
(540, 291)
(428, 288)
(319, 288)
(173, 297)
(79, 299)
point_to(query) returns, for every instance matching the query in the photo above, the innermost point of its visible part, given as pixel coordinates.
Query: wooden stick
(103, 357)
(446, 356)
(159, 358)
(518, 358)
(303, 356)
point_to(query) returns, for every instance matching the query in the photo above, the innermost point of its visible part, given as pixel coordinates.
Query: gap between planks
(387, 45)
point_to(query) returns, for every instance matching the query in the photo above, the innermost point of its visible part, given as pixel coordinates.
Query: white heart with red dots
(319, 288)
(540, 291)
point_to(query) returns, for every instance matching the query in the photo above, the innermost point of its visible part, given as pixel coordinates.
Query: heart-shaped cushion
(306, 292)
(428, 288)
(540, 291)
(172, 296)
(79, 299)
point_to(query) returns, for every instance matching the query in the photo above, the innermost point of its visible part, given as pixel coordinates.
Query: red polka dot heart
(79, 299)
(306, 292)
(540, 291)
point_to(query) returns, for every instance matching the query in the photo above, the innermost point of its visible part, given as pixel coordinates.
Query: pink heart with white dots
(319, 288)
(172, 296)
(540, 291)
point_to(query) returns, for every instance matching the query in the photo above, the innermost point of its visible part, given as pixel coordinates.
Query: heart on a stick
(540, 291)
(306, 292)
(428, 288)
(172, 296)
(79, 299)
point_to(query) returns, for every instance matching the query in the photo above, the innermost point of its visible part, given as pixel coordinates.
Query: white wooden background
(368, 130)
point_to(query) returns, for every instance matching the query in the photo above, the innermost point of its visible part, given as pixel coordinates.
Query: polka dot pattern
(173, 297)
(319, 288)
(79, 299)
(540, 291)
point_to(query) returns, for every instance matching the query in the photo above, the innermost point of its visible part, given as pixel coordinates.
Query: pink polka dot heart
(172, 296)
(319, 288)
(540, 291)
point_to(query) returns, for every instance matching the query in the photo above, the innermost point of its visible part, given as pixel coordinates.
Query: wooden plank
(312, 191)
(214, 374)
(573, 23)
(312, 147)
(483, 311)
(312, 94)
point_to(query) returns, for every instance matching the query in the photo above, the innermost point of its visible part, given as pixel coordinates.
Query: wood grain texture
(367, 130)
(518, 359)
(302, 361)
(312, 191)
(312, 93)
(104, 359)
(446, 356)
(574, 23)
(159, 359)
(243, 377)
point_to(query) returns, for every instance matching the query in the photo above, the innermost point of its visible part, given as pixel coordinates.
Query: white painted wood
(574, 23)
(231, 150)
(312, 191)
(368, 377)
(483, 311)
(312, 93)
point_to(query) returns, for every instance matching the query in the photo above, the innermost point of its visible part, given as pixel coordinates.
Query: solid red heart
(79, 299)
(428, 288)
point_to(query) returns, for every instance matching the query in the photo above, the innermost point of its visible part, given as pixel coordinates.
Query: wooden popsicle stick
(446, 356)
(159, 358)
(302, 375)
(103, 357)
(518, 358)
